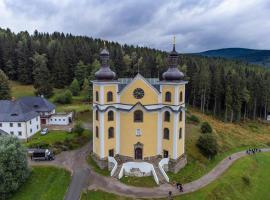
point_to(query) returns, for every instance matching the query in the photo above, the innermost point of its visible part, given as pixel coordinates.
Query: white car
(44, 131)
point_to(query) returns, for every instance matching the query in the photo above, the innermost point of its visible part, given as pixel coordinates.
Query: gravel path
(83, 176)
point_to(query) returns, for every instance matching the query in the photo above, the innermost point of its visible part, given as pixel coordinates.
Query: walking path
(75, 161)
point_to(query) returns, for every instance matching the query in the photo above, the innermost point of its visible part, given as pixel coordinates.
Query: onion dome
(173, 73)
(105, 73)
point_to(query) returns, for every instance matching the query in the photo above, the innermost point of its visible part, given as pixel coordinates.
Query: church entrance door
(138, 153)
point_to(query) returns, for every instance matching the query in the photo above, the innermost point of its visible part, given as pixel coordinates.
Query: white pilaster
(184, 130)
(175, 135)
(160, 95)
(117, 95)
(117, 148)
(101, 91)
(159, 133)
(94, 130)
(101, 115)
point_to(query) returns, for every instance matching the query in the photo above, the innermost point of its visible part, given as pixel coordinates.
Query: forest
(230, 90)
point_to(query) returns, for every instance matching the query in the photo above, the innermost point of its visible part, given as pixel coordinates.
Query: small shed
(61, 119)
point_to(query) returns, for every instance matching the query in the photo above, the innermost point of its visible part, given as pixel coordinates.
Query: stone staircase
(116, 173)
(159, 175)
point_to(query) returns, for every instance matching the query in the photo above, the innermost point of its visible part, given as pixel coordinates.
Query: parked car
(42, 154)
(44, 131)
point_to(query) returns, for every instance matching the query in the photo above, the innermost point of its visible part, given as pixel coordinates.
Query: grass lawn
(59, 140)
(247, 179)
(95, 167)
(44, 183)
(231, 138)
(18, 90)
(146, 181)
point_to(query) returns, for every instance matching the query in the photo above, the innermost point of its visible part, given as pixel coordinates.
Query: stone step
(116, 173)
(160, 176)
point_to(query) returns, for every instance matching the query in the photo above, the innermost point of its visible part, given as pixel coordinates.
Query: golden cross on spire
(104, 43)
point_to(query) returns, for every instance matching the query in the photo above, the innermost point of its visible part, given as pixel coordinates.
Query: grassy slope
(95, 167)
(231, 138)
(229, 186)
(18, 90)
(45, 183)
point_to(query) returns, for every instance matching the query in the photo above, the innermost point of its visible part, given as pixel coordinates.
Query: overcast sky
(198, 24)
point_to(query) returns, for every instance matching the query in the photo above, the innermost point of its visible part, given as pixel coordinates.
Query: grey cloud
(198, 24)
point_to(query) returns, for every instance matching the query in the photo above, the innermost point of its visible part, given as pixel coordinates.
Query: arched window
(138, 116)
(111, 132)
(181, 96)
(180, 133)
(166, 116)
(180, 116)
(168, 97)
(110, 115)
(97, 132)
(166, 134)
(97, 115)
(97, 98)
(109, 96)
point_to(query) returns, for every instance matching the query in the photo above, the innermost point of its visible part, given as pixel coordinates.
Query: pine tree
(80, 72)
(75, 87)
(42, 77)
(86, 90)
(5, 92)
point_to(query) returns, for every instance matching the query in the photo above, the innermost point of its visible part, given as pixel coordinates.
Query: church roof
(123, 82)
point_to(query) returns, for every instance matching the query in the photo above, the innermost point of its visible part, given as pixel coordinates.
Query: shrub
(78, 128)
(64, 97)
(246, 180)
(194, 119)
(13, 165)
(206, 128)
(207, 144)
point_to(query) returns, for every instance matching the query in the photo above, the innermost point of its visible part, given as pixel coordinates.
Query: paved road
(78, 183)
(75, 161)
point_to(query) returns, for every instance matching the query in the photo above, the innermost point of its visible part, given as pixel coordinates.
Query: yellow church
(139, 119)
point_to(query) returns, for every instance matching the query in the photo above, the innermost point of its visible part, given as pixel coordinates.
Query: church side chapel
(139, 120)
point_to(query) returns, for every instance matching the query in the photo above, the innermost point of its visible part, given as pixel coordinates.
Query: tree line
(231, 90)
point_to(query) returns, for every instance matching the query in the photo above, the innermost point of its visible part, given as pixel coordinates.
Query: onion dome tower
(105, 73)
(173, 73)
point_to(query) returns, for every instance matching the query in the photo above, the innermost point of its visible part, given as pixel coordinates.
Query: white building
(61, 119)
(18, 119)
(268, 117)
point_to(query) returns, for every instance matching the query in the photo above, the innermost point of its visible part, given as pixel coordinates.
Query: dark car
(42, 154)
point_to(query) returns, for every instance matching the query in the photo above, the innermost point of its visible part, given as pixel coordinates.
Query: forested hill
(229, 89)
(260, 57)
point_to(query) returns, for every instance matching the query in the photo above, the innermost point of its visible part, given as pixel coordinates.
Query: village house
(25, 116)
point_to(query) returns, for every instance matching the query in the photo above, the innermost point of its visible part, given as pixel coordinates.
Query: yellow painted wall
(129, 138)
(96, 88)
(181, 142)
(109, 143)
(150, 96)
(182, 89)
(111, 88)
(168, 88)
(167, 144)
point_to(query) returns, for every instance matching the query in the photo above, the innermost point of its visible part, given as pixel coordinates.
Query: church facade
(139, 118)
